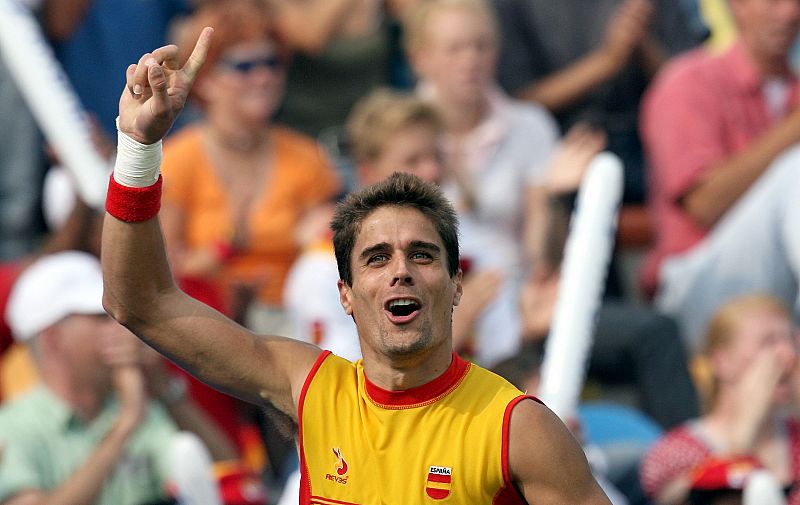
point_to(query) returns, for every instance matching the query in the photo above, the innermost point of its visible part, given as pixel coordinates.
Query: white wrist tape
(137, 165)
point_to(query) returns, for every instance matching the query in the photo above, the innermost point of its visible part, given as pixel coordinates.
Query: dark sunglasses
(273, 63)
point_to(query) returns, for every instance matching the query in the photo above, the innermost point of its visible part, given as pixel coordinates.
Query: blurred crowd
(692, 382)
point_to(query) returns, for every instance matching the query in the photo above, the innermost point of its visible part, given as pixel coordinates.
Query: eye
(377, 259)
(422, 257)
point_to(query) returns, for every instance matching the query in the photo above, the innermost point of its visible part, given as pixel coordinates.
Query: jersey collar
(420, 395)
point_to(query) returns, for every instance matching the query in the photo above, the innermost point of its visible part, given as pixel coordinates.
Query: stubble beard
(407, 348)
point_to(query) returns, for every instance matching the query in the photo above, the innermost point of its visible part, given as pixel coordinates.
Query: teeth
(401, 302)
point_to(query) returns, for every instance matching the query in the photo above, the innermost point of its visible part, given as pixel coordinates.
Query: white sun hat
(52, 288)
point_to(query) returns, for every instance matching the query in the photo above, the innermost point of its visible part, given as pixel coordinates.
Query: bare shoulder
(546, 462)
(295, 360)
(253, 367)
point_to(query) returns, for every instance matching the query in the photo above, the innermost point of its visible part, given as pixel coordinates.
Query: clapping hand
(572, 157)
(755, 390)
(122, 352)
(627, 29)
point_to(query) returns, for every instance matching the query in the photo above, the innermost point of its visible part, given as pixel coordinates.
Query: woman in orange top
(235, 185)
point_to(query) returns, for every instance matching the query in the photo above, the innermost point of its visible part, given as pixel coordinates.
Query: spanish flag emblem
(439, 482)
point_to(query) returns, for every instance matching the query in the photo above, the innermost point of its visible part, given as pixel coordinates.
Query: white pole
(587, 253)
(52, 101)
(762, 488)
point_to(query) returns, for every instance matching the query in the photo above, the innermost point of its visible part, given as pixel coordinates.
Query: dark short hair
(398, 190)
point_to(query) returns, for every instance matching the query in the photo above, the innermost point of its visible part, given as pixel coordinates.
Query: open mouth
(402, 307)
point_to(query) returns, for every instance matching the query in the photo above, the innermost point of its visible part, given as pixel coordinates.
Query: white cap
(52, 288)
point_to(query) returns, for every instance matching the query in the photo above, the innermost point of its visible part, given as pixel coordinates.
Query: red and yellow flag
(439, 482)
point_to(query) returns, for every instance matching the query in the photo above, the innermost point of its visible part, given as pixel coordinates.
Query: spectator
(751, 351)
(88, 434)
(591, 62)
(496, 150)
(73, 225)
(341, 51)
(722, 197)
(236, 185)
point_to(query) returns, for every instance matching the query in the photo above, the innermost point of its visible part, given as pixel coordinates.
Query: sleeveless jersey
(445, 442)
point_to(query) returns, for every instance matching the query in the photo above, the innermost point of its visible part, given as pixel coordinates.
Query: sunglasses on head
(271, 62)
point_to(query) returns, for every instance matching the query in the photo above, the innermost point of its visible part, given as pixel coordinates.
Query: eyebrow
(369, 251)
(385, 246)
(421, 244)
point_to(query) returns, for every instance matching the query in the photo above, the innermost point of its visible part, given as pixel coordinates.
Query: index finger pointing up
(198, 56)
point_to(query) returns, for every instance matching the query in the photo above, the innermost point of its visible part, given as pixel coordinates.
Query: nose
(402, 274)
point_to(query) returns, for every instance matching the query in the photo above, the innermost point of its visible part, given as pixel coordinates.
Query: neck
(769, 65)
(236, 137)
(462, 118)
(403, 373)
(774, 68)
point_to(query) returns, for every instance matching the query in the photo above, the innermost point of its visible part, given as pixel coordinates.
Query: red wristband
(133, 205)
(715, 473)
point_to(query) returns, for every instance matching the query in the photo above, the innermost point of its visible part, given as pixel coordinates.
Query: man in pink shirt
(723, 184)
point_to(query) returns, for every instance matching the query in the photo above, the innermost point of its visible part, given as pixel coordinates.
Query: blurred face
(458, 54)
(762, 331)
(247, 82)
(413, 149)
(402, 296)
(769, 27)
(81, 339)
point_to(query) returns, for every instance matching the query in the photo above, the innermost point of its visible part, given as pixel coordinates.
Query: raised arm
(309, 25)
(139, 288)
(546, 462)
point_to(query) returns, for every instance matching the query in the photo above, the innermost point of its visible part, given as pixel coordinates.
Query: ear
(47, 342)
(345, 292)
(721, 366)
(48, 337)
(459, 287)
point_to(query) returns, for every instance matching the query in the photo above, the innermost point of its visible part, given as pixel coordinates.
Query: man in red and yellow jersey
(410, 423)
